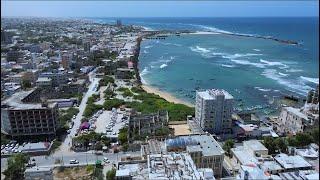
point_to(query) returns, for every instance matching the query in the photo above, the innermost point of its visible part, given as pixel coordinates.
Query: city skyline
(160, 9)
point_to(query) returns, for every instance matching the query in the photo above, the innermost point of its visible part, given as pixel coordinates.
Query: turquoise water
(252, 70)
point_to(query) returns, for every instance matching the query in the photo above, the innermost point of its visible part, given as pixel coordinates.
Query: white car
(73, 161)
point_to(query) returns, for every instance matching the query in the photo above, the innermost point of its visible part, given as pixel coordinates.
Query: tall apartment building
(66, 59)
(214, 110)
(23, 114)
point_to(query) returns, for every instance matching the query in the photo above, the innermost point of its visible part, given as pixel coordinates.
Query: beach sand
(165, 95)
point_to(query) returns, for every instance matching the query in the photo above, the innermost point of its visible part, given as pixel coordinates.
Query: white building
(292, 121)
(214, 110)
(291, 163)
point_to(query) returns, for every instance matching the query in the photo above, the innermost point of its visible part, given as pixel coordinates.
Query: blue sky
(159, 8)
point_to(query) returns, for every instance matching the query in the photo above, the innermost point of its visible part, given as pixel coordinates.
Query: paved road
(66, 144)
(82, 157)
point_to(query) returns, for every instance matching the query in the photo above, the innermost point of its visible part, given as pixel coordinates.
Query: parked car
(73, 161)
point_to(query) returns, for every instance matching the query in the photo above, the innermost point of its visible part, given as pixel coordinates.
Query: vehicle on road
(106, 160)
(31, 164)
(73, 161)
(98, 152)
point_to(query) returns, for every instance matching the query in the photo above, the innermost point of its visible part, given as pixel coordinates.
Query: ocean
(253, 70)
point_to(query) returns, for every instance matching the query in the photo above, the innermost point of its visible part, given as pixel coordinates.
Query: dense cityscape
(73, 106)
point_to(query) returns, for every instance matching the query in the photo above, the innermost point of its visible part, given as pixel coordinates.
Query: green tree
(122, 137)
(111, 174)
(228, 144)
(281, 145)
(270, 144)
(315, 135)
(303, 139)
(16, 167)
(26, 84)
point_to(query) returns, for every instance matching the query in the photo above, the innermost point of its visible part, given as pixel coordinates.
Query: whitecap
(258, 50)
(238, 55)
(282, 74)
(245, 62)
(294, 70)
(309, 79)
(199, 49)
(144, 71)
(227, 65)
(145, 52)
(292, 85)
(147, 47)
(163, 66)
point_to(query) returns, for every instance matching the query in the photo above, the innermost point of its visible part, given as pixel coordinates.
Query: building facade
(23, 114)
(292, 121)
(214, 110)
(147, 125)
(204, 150)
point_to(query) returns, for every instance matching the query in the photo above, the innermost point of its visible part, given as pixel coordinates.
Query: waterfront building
(214, 110)
(292, 121)
(24, 114)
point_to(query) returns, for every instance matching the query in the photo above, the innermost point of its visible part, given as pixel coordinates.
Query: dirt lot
(181, 129)
(76, 173)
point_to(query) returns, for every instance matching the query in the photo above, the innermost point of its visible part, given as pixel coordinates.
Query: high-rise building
(119, 22)
(23, 114)
(214, 110)
(86, 45)
(66, 58)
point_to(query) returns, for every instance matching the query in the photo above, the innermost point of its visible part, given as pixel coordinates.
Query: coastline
(167, 96)
(149, 89)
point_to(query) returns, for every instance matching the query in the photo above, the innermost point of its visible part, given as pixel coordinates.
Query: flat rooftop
(135, 170)
(296, 112)
(15, 101)
(255, 145)
(199, 142)
(210, 94)
(172, 166)
(290, 162)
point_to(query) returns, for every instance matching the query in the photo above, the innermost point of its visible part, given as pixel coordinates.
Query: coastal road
(66, 144)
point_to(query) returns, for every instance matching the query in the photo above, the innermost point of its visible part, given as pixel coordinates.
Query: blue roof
(181, 142)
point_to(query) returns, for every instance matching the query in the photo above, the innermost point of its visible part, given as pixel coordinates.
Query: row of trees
(280, 144)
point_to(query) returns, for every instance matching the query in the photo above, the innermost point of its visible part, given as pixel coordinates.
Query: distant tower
(33, 58)
(86, 45)
(119, 23)
(66, 59)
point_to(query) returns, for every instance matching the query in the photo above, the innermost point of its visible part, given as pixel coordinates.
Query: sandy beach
(165, 95)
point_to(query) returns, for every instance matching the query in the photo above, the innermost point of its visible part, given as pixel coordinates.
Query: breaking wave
(309, 79)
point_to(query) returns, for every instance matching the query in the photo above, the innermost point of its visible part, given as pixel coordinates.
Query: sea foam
(292, 85)
(309, 79)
